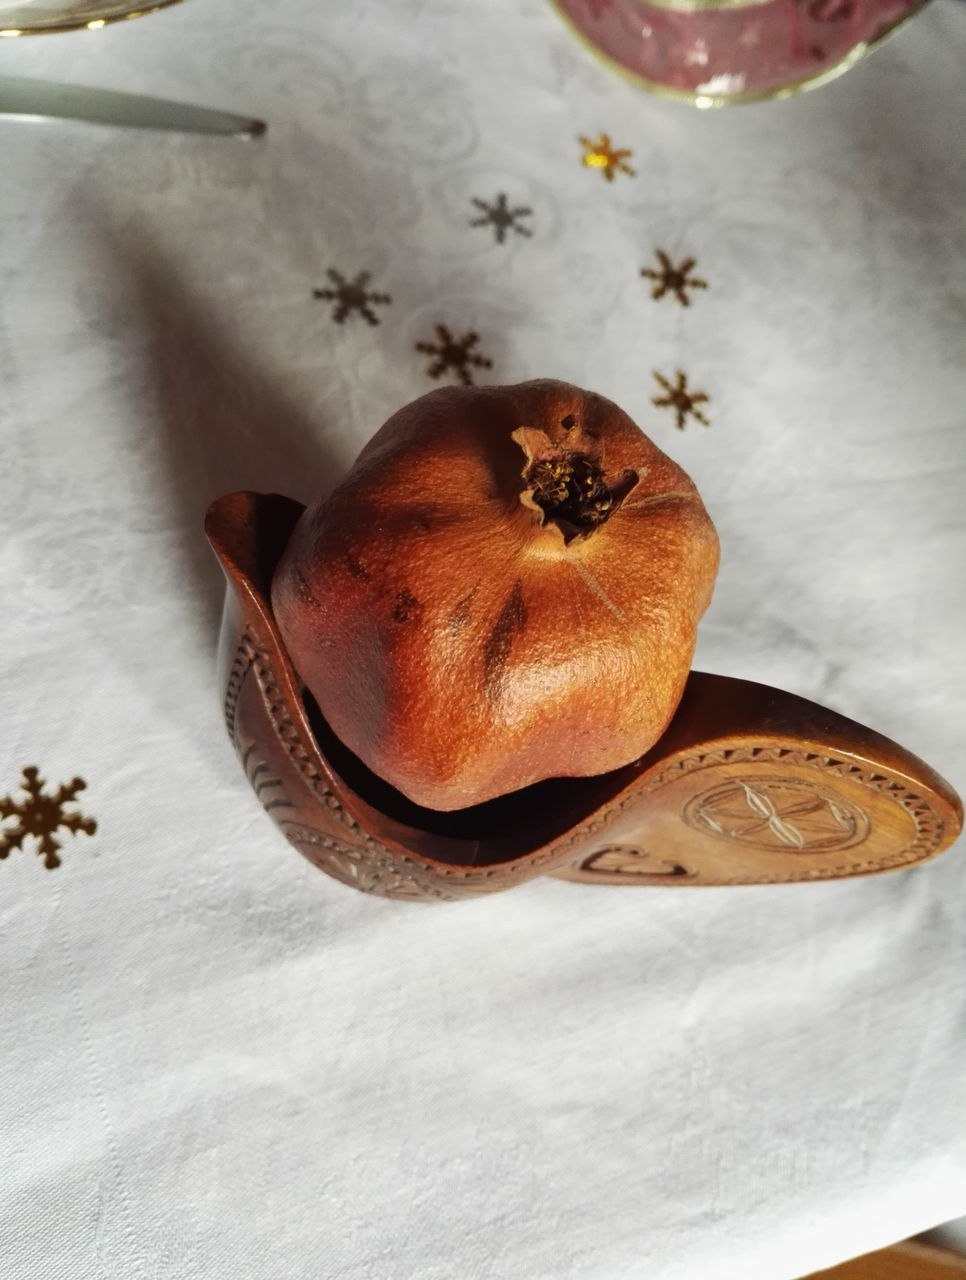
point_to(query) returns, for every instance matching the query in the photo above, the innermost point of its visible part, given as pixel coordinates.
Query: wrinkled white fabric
(218, 1064)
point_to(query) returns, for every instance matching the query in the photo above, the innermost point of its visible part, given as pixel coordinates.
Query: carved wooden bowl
(749, 785)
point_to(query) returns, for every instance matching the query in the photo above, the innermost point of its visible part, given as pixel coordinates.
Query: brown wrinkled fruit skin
(452, 637)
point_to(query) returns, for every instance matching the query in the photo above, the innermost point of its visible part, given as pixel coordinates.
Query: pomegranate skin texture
(505, 587)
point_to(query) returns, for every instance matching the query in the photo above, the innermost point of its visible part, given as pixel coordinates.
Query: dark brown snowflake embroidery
(41, 816)
(352, 295)
(673, 279)
(679, 397)
(455, 354)
(501, 217)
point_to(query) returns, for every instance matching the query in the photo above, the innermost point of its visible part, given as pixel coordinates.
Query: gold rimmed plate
(48, 17)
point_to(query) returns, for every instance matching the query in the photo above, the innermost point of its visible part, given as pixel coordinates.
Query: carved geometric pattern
(786, 815)
(383, 874)
(626, 860)
(430, 881)
(251, 656)
(236, 678)
(357, 867)
(928, 824)
(270, 791)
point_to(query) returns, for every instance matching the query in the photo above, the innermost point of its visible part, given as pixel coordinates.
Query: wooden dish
(749, 785)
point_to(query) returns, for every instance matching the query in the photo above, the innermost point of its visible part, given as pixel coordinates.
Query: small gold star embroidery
(454, 353)
(41, 816)
(501, 217)
(602, 154)
(672, 279)
(683, 401)
(352, 295)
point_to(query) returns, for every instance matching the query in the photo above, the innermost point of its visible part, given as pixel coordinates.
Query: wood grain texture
(748, 785)
(907, 1261)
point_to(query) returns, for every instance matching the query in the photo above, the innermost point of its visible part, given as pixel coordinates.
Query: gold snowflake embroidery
(501, 217)
(602, 154)
(454, 353)
(352, 295)
(673, 279)
(681, 399)
(41, 816)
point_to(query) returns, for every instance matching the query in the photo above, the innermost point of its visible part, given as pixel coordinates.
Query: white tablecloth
(218, 1064)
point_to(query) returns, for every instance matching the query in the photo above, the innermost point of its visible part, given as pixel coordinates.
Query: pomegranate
(504, 588)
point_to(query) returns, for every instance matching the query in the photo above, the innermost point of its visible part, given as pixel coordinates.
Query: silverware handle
(45, 99)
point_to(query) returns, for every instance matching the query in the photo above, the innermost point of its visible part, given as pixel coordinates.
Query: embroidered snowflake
(602, 154)
(454, 353)
(672, 279)
(501, 217)
(40, 817)
(681, 399)
(352, 295)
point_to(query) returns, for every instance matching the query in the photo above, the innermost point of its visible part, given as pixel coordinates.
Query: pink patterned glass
(713, 52)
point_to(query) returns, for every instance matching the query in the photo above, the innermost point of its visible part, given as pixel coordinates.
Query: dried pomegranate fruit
(504, 588)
